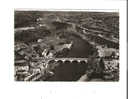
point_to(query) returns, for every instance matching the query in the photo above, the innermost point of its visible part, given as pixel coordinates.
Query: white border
(56, 90)
(76, 10)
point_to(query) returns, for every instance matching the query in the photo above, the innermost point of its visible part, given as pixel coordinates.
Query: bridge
(68, 59)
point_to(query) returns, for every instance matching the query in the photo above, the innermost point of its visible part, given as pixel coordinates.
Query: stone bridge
(68, 60)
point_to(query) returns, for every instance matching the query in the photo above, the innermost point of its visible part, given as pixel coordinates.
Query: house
(108, 52)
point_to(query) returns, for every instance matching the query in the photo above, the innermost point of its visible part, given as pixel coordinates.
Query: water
(72, 71)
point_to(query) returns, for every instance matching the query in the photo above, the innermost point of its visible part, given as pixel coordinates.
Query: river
(72, 71)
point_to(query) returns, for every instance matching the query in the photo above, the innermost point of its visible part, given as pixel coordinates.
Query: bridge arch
(83, 62)
(60, 61)
(74, 61)
(51, 61)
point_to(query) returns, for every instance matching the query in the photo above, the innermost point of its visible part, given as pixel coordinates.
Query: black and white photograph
(79, 46)
(63, 49)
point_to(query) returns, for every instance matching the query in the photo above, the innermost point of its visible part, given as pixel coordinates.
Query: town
(52, 39)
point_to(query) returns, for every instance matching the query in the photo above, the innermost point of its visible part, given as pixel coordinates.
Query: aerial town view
(66, 46)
